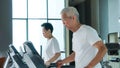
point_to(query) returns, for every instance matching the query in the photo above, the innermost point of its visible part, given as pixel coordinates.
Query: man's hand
(59, 64)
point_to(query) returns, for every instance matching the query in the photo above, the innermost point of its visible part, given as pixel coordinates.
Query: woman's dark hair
(48, 26)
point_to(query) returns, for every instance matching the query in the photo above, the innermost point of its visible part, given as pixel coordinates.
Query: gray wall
(95, 15)
(113, 13)
(104, 17)
(5, 25)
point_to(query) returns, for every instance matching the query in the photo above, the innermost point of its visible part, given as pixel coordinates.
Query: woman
(52, 50)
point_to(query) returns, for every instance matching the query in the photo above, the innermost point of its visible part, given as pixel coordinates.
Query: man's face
(67, 21)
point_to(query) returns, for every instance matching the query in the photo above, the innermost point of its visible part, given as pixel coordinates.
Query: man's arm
(101, 52)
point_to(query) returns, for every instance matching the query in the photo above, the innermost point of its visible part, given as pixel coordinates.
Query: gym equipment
(28, 59)
(14, 59)
(32, 56)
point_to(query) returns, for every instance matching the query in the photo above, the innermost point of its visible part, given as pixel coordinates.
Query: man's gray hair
(70, 11)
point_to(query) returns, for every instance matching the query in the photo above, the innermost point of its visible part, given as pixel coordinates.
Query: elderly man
(88, 48)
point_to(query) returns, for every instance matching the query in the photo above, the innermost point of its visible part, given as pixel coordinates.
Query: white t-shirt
(83, 40)
(51, 48)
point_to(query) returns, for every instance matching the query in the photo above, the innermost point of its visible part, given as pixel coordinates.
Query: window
(28, 15)
(19, 32)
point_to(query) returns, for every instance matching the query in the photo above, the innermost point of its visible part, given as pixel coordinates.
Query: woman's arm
(54, 57)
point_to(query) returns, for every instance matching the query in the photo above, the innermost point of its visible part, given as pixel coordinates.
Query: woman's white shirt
(51, 48)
